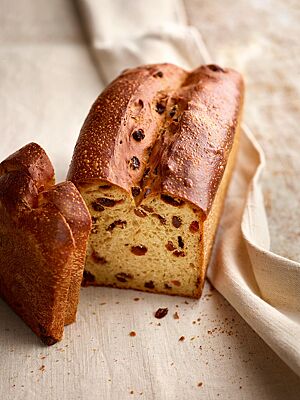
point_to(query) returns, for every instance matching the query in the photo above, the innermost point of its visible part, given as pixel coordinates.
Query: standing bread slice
(43, 235)
(153, 162)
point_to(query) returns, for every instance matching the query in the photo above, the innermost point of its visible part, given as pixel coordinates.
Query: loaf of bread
(43, 237)
(153, 162)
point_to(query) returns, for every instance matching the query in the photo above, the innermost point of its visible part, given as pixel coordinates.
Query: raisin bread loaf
(153, 162)
(43, 236)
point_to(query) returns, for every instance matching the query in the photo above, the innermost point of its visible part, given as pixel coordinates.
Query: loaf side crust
(41, 259)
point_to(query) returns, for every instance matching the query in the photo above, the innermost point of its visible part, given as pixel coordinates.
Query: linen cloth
(48, 82)
(262, 286)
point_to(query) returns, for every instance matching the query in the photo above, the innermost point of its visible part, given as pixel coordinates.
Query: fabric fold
(262, 286)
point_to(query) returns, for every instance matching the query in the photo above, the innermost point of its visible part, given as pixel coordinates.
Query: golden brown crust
(162, 130)
(41, 259)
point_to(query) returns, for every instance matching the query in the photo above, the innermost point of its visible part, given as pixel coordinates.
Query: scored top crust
(161, 129)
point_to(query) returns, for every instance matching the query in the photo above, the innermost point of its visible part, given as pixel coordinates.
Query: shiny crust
(43, 237)
(188, 120)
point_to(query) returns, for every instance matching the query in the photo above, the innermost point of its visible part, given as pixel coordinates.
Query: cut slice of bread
(43, 235)
(153, 162)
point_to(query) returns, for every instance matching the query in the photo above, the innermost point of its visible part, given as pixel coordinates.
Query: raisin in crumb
(178, 253)
(160, 108)
(139, 250)
(149, 285)
(102, 202)
(148, 209)
(194, 227)
(139, 213)
(119, 223)
(180, 242)
(135, 191)
(176, 283)
(167, 286)
(134, 163)
(181, 339)
(162, 220)
(161, 313)
(123, 277)
(170, 200)
(98, 259)
(176, 221)
(138, 135)
(170, 246)
(97, 207)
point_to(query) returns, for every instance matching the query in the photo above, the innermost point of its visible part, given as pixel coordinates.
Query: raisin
(97, 207)
(135, 191)
(161, 313)
(103, 202)
(98, 259)
(170, 246)
(158, 74)
(139, 213)
(176, 283)
(149, 285)
(134, 163)
(215, 68)
(194, 227)
(105, 187)
(148, 209)
(162, 220)
(94, 230)
(119, 223)
(176, 221)
(138, 135)
(180, 242)
(160, 108)
(167, 286)
(170, 200)
(94, 220)
(139, 250)
(178, 253)
(87, 278)
(123, 277)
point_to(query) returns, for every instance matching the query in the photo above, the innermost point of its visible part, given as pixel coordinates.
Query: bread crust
(186, 142)
(43, 234)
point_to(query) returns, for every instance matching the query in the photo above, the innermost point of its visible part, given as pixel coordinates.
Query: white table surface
(43, 42)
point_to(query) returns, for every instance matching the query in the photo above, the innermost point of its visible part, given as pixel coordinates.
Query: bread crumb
(200, 384)
(136, 299)
(181, 339)
(42, 368)
(175, 315)
(132, 333)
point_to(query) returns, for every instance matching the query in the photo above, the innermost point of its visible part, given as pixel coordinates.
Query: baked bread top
(161, 129)
(43, 234)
